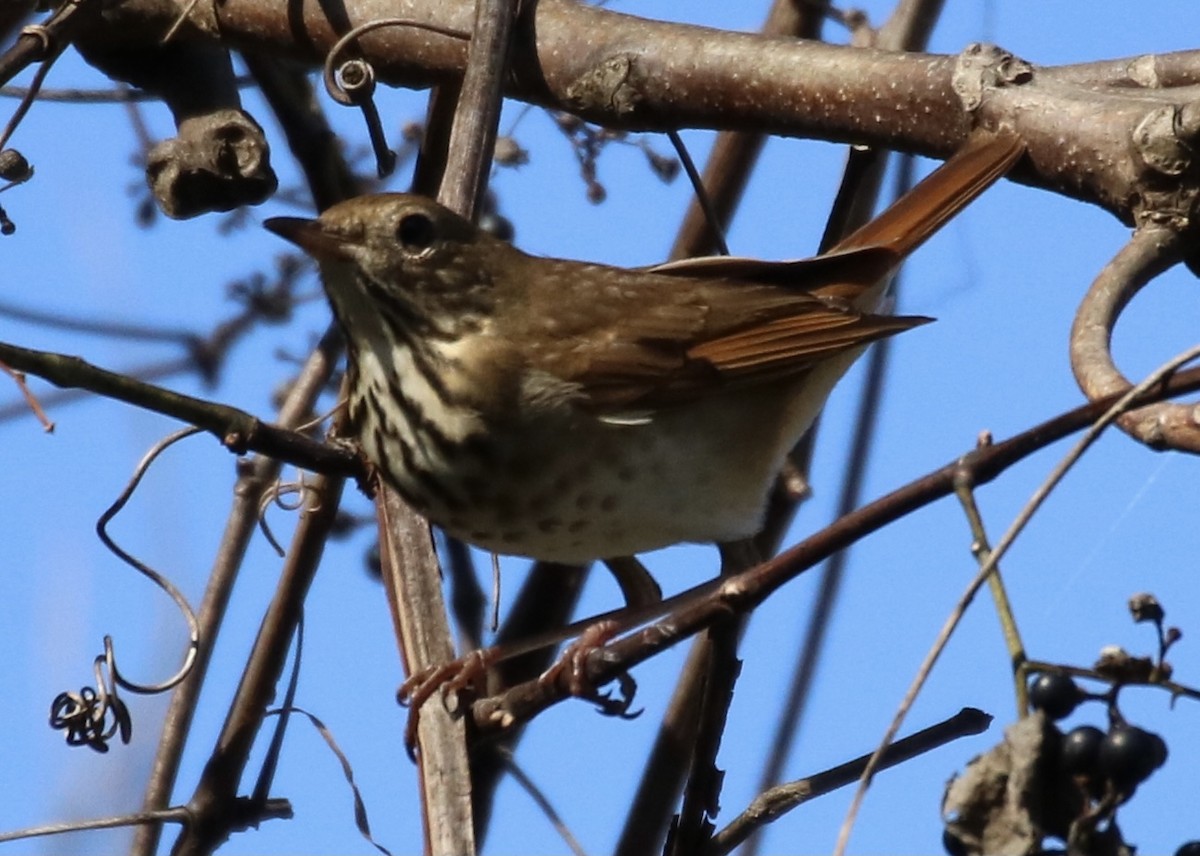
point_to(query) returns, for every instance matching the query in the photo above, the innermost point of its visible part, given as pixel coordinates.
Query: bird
(570, 411)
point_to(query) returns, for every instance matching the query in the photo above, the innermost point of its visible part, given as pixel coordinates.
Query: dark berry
(1188, 848)
(1128, 755)
(1080, 749)
(13, 166)
(1056, 695)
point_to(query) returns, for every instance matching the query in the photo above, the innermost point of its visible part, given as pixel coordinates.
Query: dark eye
(415, 232)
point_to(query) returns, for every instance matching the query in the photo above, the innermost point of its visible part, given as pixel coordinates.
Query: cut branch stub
(219, 161)
(981, 67)
(1165, 142)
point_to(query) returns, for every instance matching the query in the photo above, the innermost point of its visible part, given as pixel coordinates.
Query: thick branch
(1152, 250)
(617, 69)
(623, 71)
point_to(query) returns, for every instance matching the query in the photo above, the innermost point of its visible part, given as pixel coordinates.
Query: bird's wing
(640, 340)
(651, 338)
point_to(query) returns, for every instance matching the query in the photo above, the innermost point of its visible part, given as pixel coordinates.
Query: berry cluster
(1113, 762)
(1039, 783)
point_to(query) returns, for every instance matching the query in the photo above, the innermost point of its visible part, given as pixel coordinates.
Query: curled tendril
(334, 87)
(277, 496)
(355, 81)
(352, 83)
(91, 717)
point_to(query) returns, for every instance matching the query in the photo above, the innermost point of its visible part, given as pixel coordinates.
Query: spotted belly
(581, 489)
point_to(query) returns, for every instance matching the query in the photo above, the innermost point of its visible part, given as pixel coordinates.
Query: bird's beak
(312, 237)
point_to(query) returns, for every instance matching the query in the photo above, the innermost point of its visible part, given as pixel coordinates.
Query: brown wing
(638, 340)
(651, 338)
(793, 344)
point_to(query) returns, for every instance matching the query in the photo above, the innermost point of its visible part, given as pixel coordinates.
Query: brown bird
(570, 411)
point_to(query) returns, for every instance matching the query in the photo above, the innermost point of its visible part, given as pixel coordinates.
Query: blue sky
(1003, 280)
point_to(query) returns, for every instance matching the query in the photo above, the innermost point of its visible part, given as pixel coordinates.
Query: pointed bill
(312, 237)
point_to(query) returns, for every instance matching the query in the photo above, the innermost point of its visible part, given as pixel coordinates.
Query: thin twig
(30, 399)
(167, 815)
(774, 802)
(718, 192)
(253, 481)
(711, 215)
(1175, 688)
(216, 791)
(547, 599)
(315, 147)
(860, 187)
(114, 329)
(542, 802)
(238, 430)
(982, 551)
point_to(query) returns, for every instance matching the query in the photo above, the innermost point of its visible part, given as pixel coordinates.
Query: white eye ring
(415, 232)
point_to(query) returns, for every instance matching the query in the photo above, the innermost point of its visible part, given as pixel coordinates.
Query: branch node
(981, 67)
(219, 161)
(236, 441)
(1143, 70)
(1160, 139)
(613, 84)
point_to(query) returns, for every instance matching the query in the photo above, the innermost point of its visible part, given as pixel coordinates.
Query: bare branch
(211, 818)
(236, 429)
(622, 71)
(254, 480)
(774, 802)
(989, 565)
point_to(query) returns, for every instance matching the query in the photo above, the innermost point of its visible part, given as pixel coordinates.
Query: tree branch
(774, 802)
(1152, 250)
(622, 71)
(238, 430)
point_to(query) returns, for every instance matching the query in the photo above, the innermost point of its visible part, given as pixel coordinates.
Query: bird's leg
(639, 588)
(739, 555)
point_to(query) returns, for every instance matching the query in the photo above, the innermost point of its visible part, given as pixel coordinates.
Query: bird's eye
(415, 232)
